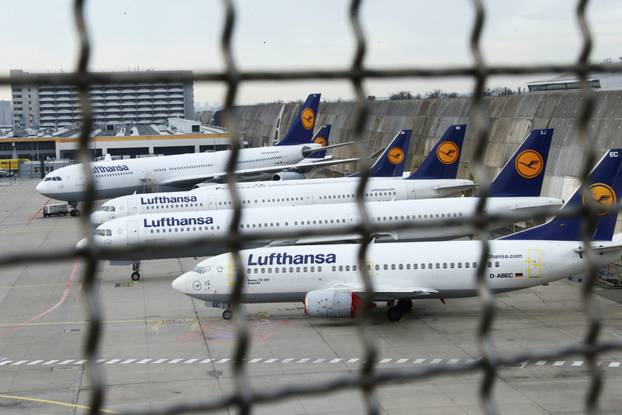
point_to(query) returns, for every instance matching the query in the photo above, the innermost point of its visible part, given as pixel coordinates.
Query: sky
(283, 34)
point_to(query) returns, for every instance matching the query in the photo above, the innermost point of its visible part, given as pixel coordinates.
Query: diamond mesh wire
(367, 379)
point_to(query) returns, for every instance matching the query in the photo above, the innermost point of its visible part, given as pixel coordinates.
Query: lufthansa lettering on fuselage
(110, 169)
(283, 258)
(172, 221)
(167, 199)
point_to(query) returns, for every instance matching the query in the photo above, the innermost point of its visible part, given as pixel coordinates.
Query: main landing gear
(73, 210)
(395, 312)
(135, 276)
(226, 314)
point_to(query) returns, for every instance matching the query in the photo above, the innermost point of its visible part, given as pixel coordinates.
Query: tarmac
(160, 348)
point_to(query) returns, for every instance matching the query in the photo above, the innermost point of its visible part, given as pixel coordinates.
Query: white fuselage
(259, 195)
(121, 177)
(287, 274)
(163, 228)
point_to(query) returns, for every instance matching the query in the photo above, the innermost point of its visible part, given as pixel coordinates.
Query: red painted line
(63, 298)
(38, 212)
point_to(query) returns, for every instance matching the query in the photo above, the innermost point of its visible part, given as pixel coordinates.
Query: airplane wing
(454, 187)
(186, 181)
(385, 292)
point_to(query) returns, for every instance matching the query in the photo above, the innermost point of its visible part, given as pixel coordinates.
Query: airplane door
(534, 263)
(132, 231)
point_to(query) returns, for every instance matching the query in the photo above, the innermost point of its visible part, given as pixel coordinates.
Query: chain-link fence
(368, 378)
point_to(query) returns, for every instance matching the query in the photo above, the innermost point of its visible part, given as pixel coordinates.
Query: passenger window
(400, 266)
(459, 264)
(497, 264)
(451, 265)
(334, 268)
(340, 268)
(466, 264)
(263, 270)
(347, 267)
(377, 267)
(269, 270)
(438, 265)
(445, 265)
(393, 267)
(312, 268)
(304, 269)
(297, 269)
(385, 267)
(353, 267)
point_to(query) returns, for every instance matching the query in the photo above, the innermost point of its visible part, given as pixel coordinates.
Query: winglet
(523, 174)
(321, 137)
(443, 160)
(605, 184)
(301, 130)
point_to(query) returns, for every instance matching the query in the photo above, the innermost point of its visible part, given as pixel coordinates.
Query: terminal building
(123, 141)
(37, 106)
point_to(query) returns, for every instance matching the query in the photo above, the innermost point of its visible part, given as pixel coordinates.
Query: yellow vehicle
(11, 164)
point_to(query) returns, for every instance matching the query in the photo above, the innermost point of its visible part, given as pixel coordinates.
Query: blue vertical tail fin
(523, 174)
(301, 130)
(392, 160)
(605, 184)
(443, 160)
(321, 137)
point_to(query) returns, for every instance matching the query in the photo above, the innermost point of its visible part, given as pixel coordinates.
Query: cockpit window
(57, 178)
(47, 179)
(108, 232)
(109, 209)
(104, 232)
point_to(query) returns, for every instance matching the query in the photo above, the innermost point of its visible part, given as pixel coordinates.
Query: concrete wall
(511, 118)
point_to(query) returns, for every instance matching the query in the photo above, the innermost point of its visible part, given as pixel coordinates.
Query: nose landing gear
(74, 211)
(135, 276)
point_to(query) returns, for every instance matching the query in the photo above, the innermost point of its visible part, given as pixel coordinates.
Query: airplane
(213, 198)
(518, 193)
(327, 279)
(115, 178)
(436, 177)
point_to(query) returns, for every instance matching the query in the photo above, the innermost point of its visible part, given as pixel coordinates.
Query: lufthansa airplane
(327, 279)
(390, 162)
(511, 191)
(182, 171)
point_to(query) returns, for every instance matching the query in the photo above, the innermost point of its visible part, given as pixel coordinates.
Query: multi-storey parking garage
(137, 103)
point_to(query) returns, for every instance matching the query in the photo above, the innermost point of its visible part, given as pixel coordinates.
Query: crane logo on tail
(395, 155)
(320, 140)
(529, 164)
(603, 195)
(447, 152)
(307, 118)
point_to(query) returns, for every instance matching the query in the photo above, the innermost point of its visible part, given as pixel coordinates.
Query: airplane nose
(187, 283)
(40, 187)
(82, 243)
(97, 218)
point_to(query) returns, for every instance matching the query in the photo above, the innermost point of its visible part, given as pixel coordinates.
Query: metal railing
(368, 378)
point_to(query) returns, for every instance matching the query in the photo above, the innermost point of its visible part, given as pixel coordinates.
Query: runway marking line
(37, 213)
(308, 360)
(61, 301)
(57, 403)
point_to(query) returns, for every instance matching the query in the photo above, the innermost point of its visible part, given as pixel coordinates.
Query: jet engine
(288, 175)
(331, 303)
